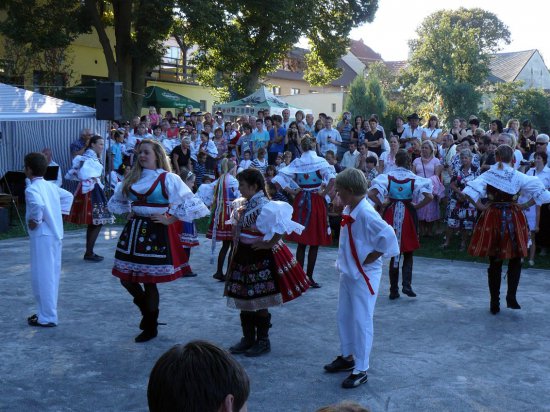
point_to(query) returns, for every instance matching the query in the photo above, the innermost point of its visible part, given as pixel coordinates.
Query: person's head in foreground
(197, 377)
(351, 186)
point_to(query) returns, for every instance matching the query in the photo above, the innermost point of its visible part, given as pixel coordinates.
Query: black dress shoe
(394, 295)
(314, 284)
(93, 258)
(340, 364)
(409, 292)
(354, 380)
(33, 321)
(190, 275)
(219, 276)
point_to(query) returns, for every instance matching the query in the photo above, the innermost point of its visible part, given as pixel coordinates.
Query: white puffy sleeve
(380, 183)
(276, 218)
(328, 173)
(534, 187)
(234, 186)
(178, 192)
(206, 193)
(191, 209)
(285, 181)
(119, 203)
(236, 207)
(381, 236)
(476, 189)
(422, 186)
(211, 149)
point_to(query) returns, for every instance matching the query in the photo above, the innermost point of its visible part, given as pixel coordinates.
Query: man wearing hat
(541, 146)
(413, 132)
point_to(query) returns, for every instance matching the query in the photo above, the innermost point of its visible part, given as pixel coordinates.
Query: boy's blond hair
(353, 180)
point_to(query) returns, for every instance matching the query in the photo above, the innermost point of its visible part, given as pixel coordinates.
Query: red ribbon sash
(347, 220)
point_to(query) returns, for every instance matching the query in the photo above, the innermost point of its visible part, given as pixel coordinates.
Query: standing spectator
(495, 129)
(374, 138)
(78, 147)
(319, 125)
(398, 129)
(329, 138)
(387, 158)
(331, 159)
(244, 144)
(364, 154)
(221, 147)
(259, 139)
(541, 146)
(458, 132)
(461, 214)
(509, 140)
(512, 127)
(351, 157)
(199, 169)
(428, 167)
(246, 162)
(474, 125)
(309, 125)
(432, 132)
(277, 138)
(208, 147)
(487, 154)
(181, 156)
(344, 128)
(285, 121)
(413, 132)
(299, 117)
(527, 139)
(48, 153)
(357, 133)
(173, 131)
(293, 138)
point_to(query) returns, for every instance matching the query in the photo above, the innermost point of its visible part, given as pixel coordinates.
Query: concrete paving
(442, 351)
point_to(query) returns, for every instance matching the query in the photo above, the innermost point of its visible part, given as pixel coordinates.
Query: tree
(511, 100)
(366, 97)
(140, 28)
(450, 60)
(246, 40)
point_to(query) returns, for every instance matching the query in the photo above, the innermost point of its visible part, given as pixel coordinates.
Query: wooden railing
(174, 70)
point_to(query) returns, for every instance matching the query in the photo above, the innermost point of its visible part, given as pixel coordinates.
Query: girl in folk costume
(400, 186)
(149, 250)
(90, 204)
(502, 231)
(226, 190)
(208, 147)
(263, 272)
(310, 209)
(189, 237)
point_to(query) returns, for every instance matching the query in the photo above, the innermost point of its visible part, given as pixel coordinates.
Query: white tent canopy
(30, 122)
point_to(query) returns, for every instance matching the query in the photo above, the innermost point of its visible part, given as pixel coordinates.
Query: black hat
(413, 116)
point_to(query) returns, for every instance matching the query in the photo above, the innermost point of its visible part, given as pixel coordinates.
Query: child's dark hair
(37, 162)
(270, 189)
(273, 168)
(252, 177)
(186, 174)
(196, 377)
(248, 151)
(402, 158)
(371, 159)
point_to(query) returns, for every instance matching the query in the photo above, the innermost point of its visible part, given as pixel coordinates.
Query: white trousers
(45, 274)
(355, 312)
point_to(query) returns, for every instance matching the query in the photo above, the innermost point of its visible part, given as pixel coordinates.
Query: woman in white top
(90, 204)
(432, 132)
(149, 250)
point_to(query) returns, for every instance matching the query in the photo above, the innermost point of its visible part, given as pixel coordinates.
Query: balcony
(173, 70)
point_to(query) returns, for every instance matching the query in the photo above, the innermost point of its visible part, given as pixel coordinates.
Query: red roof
(364, 52)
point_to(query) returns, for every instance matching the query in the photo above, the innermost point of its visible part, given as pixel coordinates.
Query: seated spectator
(371, 171)
(275, 194)
(246, 162)
(197, 377)
(330, 157)
(270, 173)
(365, 152)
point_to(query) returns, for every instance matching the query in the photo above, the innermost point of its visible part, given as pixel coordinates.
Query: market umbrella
(159, 97)
(83, 93)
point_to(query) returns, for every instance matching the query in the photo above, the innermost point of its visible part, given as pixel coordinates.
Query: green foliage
(393, 110)
(243, 41)
(366, 97)
(510, 100)
(450, 61)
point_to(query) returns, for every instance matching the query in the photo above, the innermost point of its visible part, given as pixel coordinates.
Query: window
(48, 82)
(333, 107)
(173, 52)
(6, 73)
(203, 105)
(276, 90)
(294, 91)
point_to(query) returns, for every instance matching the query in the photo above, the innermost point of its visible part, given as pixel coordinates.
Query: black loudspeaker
(108, 101)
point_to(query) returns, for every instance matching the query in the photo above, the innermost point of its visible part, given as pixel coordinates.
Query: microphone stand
(15, 206)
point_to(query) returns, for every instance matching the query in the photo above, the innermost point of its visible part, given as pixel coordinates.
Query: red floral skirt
(310, 210)
(500, 232)
(149, 252)
(409, 232)
(90, 208)
(223, 230)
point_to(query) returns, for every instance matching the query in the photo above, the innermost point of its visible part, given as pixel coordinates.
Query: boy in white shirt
(246, 162)
(45, 203)
(364, 238)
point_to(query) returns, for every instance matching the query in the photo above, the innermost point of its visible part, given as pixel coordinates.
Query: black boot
(149, 327)
(407, 273)
(514, 273)
(494, 274)
(262, 345)
(249, 333)
(394, 280)
(141, 304)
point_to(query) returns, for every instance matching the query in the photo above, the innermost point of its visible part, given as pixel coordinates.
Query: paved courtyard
(442, 351)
